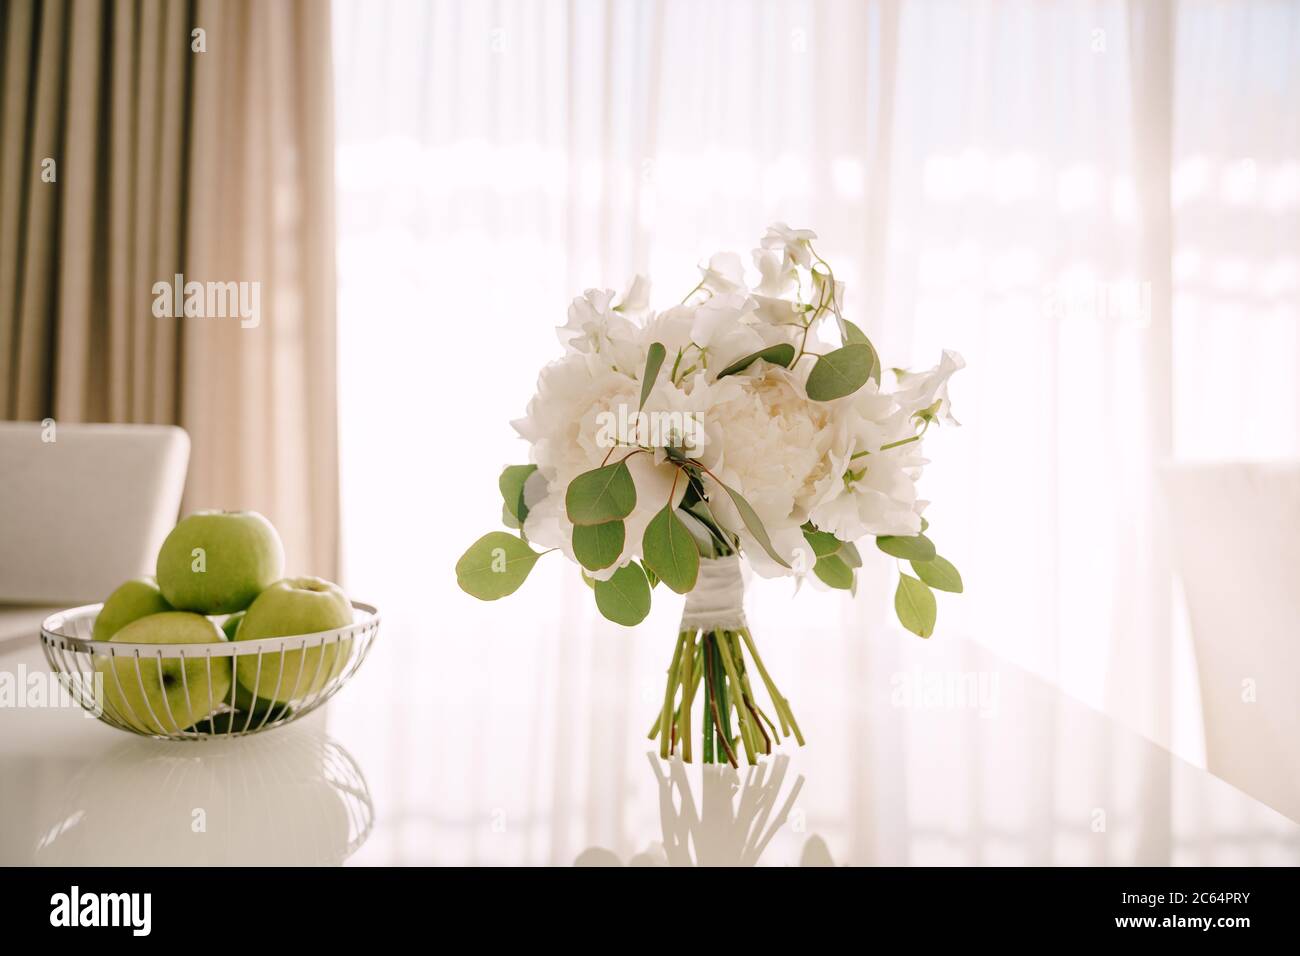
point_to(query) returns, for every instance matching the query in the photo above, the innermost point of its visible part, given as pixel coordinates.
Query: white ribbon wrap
(717, 600)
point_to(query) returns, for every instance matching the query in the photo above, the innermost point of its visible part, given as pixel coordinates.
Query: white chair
(82, 509)
(1236, 534)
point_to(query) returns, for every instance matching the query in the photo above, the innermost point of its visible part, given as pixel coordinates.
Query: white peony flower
(774, 446)
(565, 425)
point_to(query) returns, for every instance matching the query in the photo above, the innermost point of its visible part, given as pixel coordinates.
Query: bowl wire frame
(73, 656)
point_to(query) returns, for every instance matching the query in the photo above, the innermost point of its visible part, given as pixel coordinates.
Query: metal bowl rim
(51, 633)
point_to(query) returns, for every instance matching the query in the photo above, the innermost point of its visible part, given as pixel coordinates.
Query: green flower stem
(687, 675)
(750, 702)
(744, 714)
(716, 659)
(724, 698)
(666, 715)
(697, 674)
(718, 689)
(706, 659)
(783, 712)
(747, 735)
(747, 696)
(762, 713)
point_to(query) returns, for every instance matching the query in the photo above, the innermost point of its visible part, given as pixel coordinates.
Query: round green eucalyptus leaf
(669, 549)
(822, 542)
(597, 546)
(834, 572)
(939, 573)
(625, 597)
(511, 483)
(603, 494)
(913, 547)
(494, 566)
(855, 336)
(781, 354)
(841, 372)
(915, 605)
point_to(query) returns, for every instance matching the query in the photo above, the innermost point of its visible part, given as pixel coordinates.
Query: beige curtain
(133, 148)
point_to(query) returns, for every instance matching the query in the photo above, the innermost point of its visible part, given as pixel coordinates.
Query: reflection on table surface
(726, 819)
(918, 754)
(530, 748)
(291, 797)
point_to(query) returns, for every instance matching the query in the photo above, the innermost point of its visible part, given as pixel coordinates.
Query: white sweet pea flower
(872, 495)
(596, 330)
(724, 273)
(777, 278)
(721, 317)
(873, 489)
(826, 293)
(792, 243)
(635, 300)
(773, 311)
(925, 394)
(709, 335)
(672, 328)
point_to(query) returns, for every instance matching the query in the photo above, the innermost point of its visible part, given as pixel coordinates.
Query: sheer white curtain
(1097, 203)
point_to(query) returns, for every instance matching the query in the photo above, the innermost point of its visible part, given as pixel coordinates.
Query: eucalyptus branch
(621, 444)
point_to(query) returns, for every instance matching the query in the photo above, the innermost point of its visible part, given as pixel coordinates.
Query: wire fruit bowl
(191, 691)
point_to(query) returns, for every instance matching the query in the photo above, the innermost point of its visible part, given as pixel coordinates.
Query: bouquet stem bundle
(716, 659)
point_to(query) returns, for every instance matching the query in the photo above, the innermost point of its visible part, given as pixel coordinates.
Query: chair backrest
(1236, 534)
(84, 507)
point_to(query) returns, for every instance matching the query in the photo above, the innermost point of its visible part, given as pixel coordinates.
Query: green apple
(135, 599)
(216, 562)
(163, 695)
(285, 609)
(236, 721)
(230, 626)
(244, 699)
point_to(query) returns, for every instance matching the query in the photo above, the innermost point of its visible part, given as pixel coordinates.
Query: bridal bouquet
(667, 445)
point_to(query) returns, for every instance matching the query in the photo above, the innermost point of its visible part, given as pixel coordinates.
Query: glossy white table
(938, 754)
